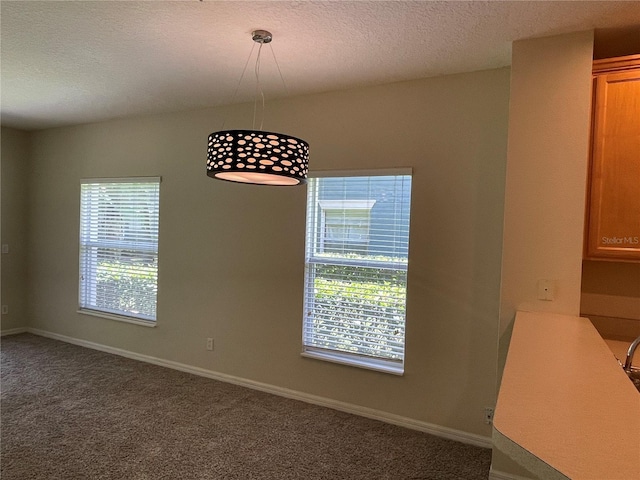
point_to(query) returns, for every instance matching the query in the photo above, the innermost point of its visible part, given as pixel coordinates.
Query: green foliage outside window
(127, 286)
(349, 310)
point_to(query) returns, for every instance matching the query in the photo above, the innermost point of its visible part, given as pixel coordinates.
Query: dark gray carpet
(69, 412)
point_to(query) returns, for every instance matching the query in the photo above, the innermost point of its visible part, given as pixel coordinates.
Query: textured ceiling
(73, 62)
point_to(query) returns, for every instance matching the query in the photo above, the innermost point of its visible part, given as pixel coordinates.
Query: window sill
(355, 361)
(119, 318)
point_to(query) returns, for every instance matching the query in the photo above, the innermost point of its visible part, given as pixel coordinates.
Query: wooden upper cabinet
(613, 220)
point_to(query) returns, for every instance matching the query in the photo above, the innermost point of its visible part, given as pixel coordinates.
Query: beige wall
(547, 161)
(620, 279)
(232, 259)
(14, 227)
(611, 298)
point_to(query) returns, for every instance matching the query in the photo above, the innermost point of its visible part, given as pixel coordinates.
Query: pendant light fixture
(255, 156)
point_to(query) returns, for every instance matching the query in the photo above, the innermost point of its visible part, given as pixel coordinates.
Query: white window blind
(357, 242)
(119, 246)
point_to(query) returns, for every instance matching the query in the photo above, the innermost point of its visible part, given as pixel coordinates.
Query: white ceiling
(74, 62)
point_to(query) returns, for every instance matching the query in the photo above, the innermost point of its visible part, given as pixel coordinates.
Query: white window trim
(118, 318)
(121, 180)
(378, 172)
(353, 360)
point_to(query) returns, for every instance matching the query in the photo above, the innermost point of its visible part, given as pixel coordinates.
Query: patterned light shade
(257, 157)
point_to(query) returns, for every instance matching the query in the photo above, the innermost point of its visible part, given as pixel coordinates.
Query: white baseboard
(13, 331)
(498, 475)
(437, 430)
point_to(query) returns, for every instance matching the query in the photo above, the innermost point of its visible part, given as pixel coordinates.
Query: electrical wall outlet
(210, 344)
(488, 415)
(5, 309)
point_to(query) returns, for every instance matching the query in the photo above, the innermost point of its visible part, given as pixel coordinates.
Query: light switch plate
(546, 290)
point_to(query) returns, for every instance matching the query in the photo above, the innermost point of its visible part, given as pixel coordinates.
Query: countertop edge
(565, 407)
(525, 458)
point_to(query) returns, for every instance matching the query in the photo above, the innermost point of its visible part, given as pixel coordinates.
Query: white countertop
(566, 409)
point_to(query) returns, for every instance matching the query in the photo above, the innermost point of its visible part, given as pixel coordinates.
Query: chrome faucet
(630, 352)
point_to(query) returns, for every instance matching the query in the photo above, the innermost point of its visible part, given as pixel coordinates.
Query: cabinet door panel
(614, 220)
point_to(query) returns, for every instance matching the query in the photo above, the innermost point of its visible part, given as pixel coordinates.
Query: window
(119, 247)
(357, 241)
(345, 227)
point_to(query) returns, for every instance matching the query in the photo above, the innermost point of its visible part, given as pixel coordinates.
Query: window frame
(85, 307)
(314, 233)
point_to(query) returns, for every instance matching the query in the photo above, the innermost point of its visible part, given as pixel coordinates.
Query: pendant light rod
(261, 37)
(235, 92)
(258, 91)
